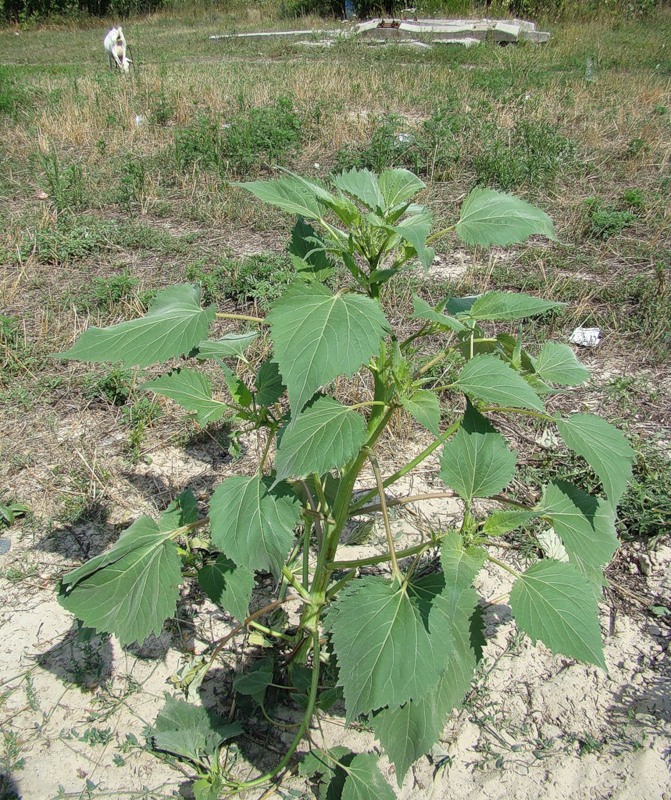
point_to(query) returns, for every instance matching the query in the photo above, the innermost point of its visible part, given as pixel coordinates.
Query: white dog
(115, 47)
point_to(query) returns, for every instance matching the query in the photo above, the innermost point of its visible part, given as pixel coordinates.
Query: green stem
(297, 585)
(303, 729)
(266, 450)
(336, 587)
(408, 467)
(439, 234)
(402, 501)
(367, 403)
(372, 560)
(270, 632)
(245, 317)
(504, 566)
(395, 570)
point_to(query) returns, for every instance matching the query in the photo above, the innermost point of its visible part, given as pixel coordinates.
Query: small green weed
(132, 184)
(257, 136)
(634, 198)
(260, 278)
(64, 185)
(531, 154)
(13, 96)
(604, 220)
(139, 416)
(645, 508)
(108, 292)
(113, 387)
(10, 511)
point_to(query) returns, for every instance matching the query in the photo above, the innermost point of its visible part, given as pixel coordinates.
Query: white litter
(586, 337)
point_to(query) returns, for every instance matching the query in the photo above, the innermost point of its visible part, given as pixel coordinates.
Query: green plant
(603, 220)
(108, 292)
(400, 647)
(114, 387)
(65, 186)
(252, 139)
(531, 154)
(10, 511)
(259, 278)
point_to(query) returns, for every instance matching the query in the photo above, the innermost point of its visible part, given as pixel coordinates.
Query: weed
(634, 198)
(645, 509)
(11, 511)
(139, 416)
(531, 154)
(604, 220)
(13, 97)
(107, 293)
(302, 494)
(259, 278)
(254, 138)
(132, 184)
(96, 736)
(64, 185)
(113, 387)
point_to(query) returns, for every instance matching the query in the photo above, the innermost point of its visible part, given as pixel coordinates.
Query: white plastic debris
(139, 120)
(404, 138)
(586, 337)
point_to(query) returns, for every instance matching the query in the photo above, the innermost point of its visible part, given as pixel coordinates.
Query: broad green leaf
(477, 464)
(556, 363)
(422, 310)
(255, 682)
(385, 656)
(500, 522)
(131, 589)
(361, 184)
(489, 218)
(192, 391)
(489, 379)
(553, 602)
(324, 436)
(509, 306)
(398, 186)
(319, 336)
(364, 780)
(228, 585)
(325, 770)
(253, 524)
(173, 326)
(233, 344)
(289, 193)
(239, 392)
(415, 230)
(585, 524)
(424, 406)
(183, 510)
(308, 253)
(460, 305)
(409, 732)
(187, 730)
(269, 386)
(460, 564)
(603, 447)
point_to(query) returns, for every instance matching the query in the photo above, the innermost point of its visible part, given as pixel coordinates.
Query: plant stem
(402, 501)
(245, 317)
(332, 566)
(304, 726)
(269, 631)
(297, 585)
(504, 566)
(396, 572)
(408, 467)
